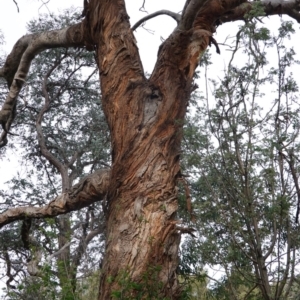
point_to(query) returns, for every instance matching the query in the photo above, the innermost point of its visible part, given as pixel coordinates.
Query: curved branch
(40, 135)
(18, 62)
(272, 7)
(173, 15)
(90, 189)
(16, 5)
(234, 10)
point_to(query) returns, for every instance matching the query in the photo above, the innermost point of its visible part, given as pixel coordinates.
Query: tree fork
(145, 118)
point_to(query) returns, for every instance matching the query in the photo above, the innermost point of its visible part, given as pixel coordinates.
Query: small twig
(45, 4)
(16, 5)
(142, 8)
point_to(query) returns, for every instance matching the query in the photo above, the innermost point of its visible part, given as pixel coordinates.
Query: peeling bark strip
(145, 118)
(90, 189)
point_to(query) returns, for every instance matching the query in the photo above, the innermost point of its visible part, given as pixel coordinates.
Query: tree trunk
(145, 117)
(63, 259)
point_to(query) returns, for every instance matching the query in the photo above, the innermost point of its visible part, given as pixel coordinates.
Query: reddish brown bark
(145, 118)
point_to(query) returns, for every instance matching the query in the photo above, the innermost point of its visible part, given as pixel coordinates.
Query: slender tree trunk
(63, 259)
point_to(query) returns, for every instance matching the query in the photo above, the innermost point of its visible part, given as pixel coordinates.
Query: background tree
(242, 157)
(145, 117)
(64, 152)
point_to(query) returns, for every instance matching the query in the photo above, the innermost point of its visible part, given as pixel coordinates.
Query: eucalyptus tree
(145, 116)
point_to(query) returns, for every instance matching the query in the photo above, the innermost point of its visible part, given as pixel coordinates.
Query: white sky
(13, 26)
(13, 23)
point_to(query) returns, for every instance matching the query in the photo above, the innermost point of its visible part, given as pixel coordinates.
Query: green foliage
(242, 159)
(88, 287)
(149, 288)
(39, 288)
(62, 95)
(257, 10)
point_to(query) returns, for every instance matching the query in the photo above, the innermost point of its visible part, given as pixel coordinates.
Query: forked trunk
(142, 236)
(145, 118)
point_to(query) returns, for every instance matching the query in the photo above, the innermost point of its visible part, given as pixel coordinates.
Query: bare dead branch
(49, 258)
(173, 15)
(45, 4)
(90, 189)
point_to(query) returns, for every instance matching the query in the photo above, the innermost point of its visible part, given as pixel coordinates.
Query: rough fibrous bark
(89, 190)
(145, 119)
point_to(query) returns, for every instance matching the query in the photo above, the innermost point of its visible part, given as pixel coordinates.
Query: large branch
(270, 7)
(233, 10)
(90, 189)
(18, 62)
